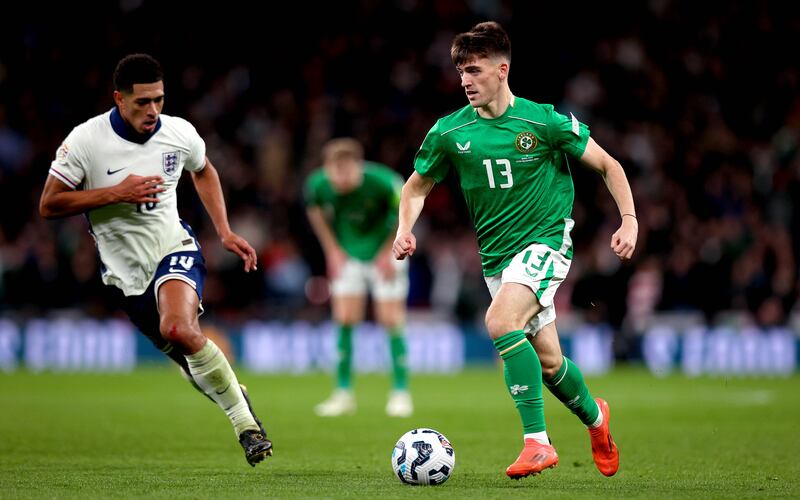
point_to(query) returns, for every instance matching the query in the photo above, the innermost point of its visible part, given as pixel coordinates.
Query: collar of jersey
(123, 130)
(499, 119)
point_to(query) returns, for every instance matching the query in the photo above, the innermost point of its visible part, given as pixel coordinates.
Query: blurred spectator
(706, 125)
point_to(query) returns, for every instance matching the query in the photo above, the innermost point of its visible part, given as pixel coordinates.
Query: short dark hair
(136, 68)
(483, 40)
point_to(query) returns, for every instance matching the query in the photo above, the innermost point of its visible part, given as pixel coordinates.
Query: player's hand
(335, 259)
(238, 245)
(623, 242)
(385, 265)
(404, 245)
(138, 189)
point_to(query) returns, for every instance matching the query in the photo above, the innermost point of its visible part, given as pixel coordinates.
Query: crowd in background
(699, 102)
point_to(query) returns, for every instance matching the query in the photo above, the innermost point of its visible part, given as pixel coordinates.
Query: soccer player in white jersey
(121, 169)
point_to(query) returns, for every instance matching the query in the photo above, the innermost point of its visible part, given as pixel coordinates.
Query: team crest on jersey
(171, 161)
(526, 142)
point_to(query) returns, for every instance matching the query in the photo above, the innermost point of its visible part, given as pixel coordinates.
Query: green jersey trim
(526, 120)
(456, 128)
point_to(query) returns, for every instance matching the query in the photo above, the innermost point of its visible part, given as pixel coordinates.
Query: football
(423, 457)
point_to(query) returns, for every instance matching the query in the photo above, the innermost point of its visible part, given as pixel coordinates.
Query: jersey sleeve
(431, 160)
(196, 160)
(69, 165)
(567, 133)
(312, 191)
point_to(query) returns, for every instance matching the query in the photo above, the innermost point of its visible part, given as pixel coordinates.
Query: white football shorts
(358, 277)
(541, 269)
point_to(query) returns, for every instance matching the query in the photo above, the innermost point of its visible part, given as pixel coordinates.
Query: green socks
(523, 376)
(344, 366)
(211, 371)
(568, 386)
(397, 345)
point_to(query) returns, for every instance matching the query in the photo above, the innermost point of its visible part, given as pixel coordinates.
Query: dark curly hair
(486, 39)
(136, 68)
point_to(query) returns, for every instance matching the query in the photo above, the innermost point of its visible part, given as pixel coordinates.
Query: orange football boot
(604, 450)
(535, 458)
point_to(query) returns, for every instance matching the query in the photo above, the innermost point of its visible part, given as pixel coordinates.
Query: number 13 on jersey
(505, 165)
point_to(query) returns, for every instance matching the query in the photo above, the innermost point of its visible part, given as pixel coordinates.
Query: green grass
(148, 434)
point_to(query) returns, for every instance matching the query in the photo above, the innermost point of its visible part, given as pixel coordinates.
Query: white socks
(540, 437)
(212, 372)
(597, 423)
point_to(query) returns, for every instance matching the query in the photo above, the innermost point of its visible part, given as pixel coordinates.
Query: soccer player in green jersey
(512, 159)
(352, 208)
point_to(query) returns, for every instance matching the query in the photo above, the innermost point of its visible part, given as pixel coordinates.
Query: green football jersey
(363, 219)
(514, 173)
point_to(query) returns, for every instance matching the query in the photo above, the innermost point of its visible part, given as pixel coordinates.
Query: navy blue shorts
(189, 267)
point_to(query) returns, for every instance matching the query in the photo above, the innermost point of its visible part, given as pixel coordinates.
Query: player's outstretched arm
(384, 259)
(335, 257)
(412, 199)
(623, 241)
(59, 200)
(208, 187)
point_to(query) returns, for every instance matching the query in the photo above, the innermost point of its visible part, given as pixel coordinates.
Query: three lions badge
(171, 162)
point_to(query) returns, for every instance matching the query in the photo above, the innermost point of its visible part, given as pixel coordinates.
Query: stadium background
(693, 99)
(698, 100)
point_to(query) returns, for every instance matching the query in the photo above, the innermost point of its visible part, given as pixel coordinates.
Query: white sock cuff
(597, 423)
(540, 437)
(204, 355)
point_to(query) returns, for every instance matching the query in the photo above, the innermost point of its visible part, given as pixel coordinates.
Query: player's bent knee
(392, 324)
(346, 319)
(550, 365)
(391, 320)
(343, 316)
(497, 326)
(178, 331)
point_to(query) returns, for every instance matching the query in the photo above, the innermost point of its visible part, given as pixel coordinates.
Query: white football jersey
(131, 238)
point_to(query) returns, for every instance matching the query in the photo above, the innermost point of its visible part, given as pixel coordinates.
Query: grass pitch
(149, 434)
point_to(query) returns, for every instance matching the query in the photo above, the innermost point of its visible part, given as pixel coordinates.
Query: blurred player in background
(512, 159)
(352, 208)
(122, 169)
